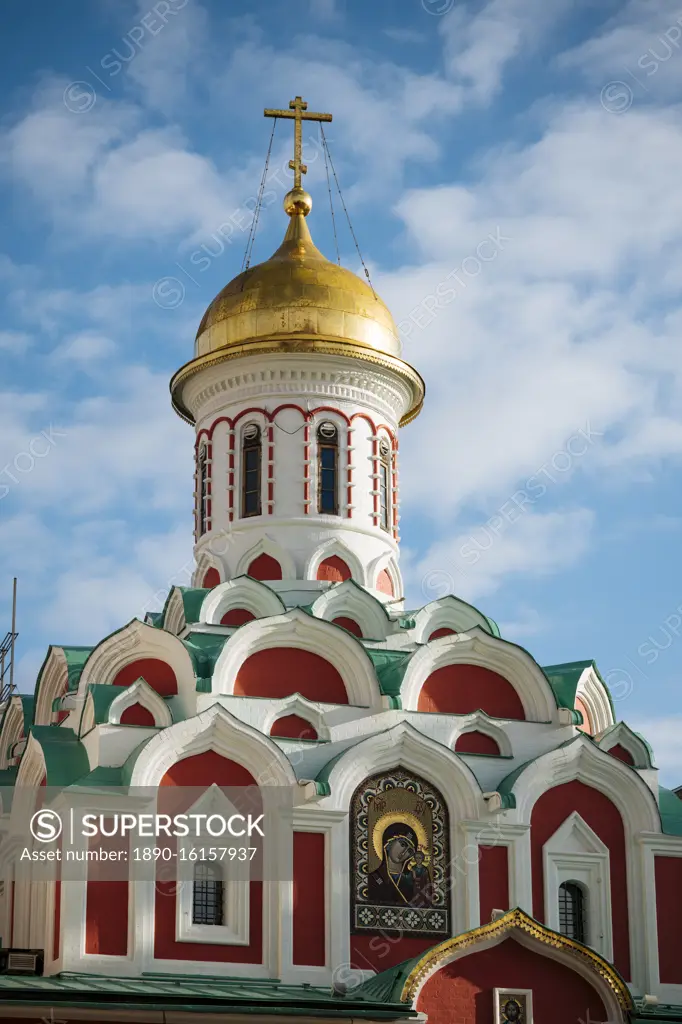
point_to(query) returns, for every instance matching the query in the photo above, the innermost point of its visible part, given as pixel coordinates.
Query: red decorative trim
(230, 473)
(306, 468)
(375, 479)
(349, 473)
(271, 470)
(330, 408)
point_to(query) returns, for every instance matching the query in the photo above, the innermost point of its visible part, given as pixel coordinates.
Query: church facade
(467, 835)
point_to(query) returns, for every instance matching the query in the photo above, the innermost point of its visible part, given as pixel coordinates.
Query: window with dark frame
(208, 896)
(251, 471)
(385, 485)
(572, 911)
(327, 469)
(202, 489)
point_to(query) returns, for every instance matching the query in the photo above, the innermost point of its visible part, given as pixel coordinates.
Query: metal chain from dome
(331, 202)
(256, 213)
(331, 163)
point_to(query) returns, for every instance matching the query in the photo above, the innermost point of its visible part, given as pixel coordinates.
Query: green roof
(204, 649)
(390, 667)
(103, 695)
(194, 993)
(192, 600)
(564, 681)
(65, 756)
(670, 809)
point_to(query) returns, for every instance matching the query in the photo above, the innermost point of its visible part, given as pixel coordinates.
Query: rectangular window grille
(328, 502)
(251, 478)
(208, 896)
(572, 911)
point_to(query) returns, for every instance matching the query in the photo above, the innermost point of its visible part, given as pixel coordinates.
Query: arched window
(384, 485)
(327, 469)
(572, 911)
(202, 489)
(251, 470)
(208, 896)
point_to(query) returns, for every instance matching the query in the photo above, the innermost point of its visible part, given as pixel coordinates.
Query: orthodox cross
(298, 111)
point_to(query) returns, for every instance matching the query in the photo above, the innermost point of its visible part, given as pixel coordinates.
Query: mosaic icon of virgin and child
(403, 876)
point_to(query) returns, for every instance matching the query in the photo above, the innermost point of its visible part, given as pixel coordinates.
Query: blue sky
(512, 168)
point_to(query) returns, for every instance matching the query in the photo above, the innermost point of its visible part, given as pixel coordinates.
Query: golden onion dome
(297, 294)
(298, 302)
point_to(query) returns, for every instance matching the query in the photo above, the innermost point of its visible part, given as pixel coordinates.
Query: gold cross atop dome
(299, 200)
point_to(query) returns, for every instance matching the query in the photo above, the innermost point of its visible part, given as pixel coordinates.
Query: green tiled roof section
(155, 619)
(65, 756)
(670, 809)
(102, 776)
(193, 993)
(390, 667)
(657, 1012)
(564, 681)
(103, 696)
(204, 650)
(75, 661)
(28, 704)
(192, 600)
(387, 986)
(8, 778)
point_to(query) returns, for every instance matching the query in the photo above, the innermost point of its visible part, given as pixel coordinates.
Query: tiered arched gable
(140, 695)
(341, 663)
(209, 571)
(13, 730)
(123, 656)
(241, 593)
(404, 746)
(458, 972)
(383, 576)
(482, 725)
(451, 613)
(593, 701)
(53, 682)
(306, 711)
(620, 740)
(502, 662)
(351, 602)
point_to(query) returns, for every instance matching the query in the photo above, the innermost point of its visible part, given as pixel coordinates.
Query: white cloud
(84, 349)
(15, 342)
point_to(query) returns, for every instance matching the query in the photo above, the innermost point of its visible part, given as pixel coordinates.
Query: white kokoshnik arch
(266, 546)
(332, 547)
(447, 612)
(480, 722)
(299, 705)
(301, 631)
(140, 692)
(213, 730)
(135, 642)
(352, 601)
(622, 735)
(240, 592)
(477, 647)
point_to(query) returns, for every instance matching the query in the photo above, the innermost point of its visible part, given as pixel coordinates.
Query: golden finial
(298, 200)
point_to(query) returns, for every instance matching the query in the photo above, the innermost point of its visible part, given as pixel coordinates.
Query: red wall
(158, 674)
(201, 771)
(622, 754)
(462, 992)
(493, 880)
(293, 727)
(281, 671)
(461, 689)
(384, 583)
(668, 871)
(237, 617)
(265, 567)
(211, 578)
(476, 742)
(137, 715)
(106, 902)
(349, 624)
(549, 812)
(333, 569)
(443, 631)
(309, 901)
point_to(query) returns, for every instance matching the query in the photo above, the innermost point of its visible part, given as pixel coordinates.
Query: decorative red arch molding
(158, 674)
(293, 727)
(586, 724)
(265, 567)
(476, 742)
(237, 617)
(283, 671)
(333, 570)
(463, 689)
(211, 578)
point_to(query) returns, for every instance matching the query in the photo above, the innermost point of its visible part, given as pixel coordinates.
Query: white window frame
(235, 929)
(575, 853)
